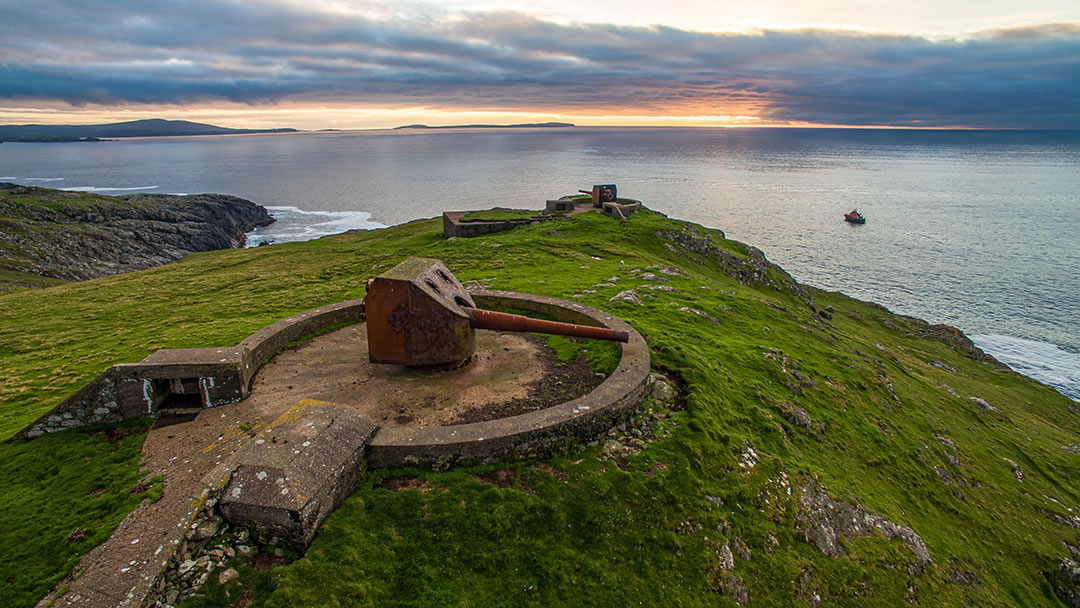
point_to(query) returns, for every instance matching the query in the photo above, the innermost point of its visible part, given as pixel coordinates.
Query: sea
(976, 229)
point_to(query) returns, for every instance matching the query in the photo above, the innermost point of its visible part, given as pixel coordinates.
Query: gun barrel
(502, 321)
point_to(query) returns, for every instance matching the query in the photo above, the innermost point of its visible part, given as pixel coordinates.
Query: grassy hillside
(18, 217)
(791, 420)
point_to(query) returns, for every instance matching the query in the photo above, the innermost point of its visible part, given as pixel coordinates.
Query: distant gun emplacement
(602, 193)
(419, 314)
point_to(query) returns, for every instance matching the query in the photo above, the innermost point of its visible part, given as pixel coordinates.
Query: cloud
(129, 52)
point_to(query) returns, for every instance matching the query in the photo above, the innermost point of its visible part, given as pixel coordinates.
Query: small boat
(854, 217)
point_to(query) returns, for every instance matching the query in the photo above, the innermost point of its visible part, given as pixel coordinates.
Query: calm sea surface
(980, 230)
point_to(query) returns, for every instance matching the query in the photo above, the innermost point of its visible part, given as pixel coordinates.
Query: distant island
(528, 125)
(154, 127)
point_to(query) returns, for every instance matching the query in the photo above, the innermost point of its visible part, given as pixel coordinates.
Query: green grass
(58, 199)
(499, 215)
(602, 355)
(579, 530)
(13, 279)
(63, 494)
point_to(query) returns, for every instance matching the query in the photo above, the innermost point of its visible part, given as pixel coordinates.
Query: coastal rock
(822, 521)
(661, 388)
(58, 234)
(227, 576)
(751, 270)
(698, 313)
(795, 414)
(629, 295)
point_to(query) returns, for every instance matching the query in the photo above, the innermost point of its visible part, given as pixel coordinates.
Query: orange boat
(854, 217)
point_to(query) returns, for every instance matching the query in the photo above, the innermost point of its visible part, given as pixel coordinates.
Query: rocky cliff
(78, 236)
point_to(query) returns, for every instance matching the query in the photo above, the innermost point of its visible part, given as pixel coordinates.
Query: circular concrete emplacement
(510, 374)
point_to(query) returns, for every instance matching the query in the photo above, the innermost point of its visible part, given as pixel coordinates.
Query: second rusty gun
(418, 314)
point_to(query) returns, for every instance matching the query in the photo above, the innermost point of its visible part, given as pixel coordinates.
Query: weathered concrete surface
(263, 344)
(334, 368)
(297, 470)
(622, 208)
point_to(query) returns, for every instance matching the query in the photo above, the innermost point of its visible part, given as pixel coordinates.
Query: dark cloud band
(135, 52)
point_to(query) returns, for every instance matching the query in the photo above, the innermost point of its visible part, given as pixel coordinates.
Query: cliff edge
(75, 236)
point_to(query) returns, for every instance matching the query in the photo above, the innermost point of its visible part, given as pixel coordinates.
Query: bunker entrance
(178, 395)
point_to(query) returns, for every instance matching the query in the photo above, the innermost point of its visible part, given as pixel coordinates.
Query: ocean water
(974, 229)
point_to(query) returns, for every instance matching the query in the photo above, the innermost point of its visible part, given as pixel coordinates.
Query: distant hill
(154, 127)
(529, 125)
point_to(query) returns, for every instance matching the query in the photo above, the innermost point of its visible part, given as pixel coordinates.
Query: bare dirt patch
(117, 434)
(503, 478)
(265, 561)
(558, 384)
(547, 468)
(398, 484)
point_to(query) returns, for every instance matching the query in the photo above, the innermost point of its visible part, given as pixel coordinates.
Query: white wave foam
(295, 224)
(8, 179)
(98, 189)
(42, 179)
(1042, 361)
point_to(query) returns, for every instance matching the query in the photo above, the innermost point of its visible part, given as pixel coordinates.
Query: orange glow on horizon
(346, 118)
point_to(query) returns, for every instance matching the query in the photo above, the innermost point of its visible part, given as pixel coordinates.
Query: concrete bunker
(602, 198)
(291, 475)
(179, 395)
(286, 476)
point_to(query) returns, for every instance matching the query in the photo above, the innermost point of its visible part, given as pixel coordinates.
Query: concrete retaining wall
(622, 208)
(453, 227)
(263, 344)
(181, 380)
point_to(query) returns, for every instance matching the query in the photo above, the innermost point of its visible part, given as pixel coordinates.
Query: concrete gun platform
(285, 456)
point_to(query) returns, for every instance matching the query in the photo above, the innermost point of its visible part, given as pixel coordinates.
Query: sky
(343, 64)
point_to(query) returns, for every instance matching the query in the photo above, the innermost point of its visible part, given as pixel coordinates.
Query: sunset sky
(344, 64)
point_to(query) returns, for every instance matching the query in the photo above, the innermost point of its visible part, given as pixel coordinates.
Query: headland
(799, 447)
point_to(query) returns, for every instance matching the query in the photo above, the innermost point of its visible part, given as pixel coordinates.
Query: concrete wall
(622, 208)
(208, 377)
(560, 205)
(263, 344)
(453, 227)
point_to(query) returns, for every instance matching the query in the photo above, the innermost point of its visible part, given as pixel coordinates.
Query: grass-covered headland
(807, 444)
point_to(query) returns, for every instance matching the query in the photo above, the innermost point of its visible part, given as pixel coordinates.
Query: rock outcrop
(74, 236)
